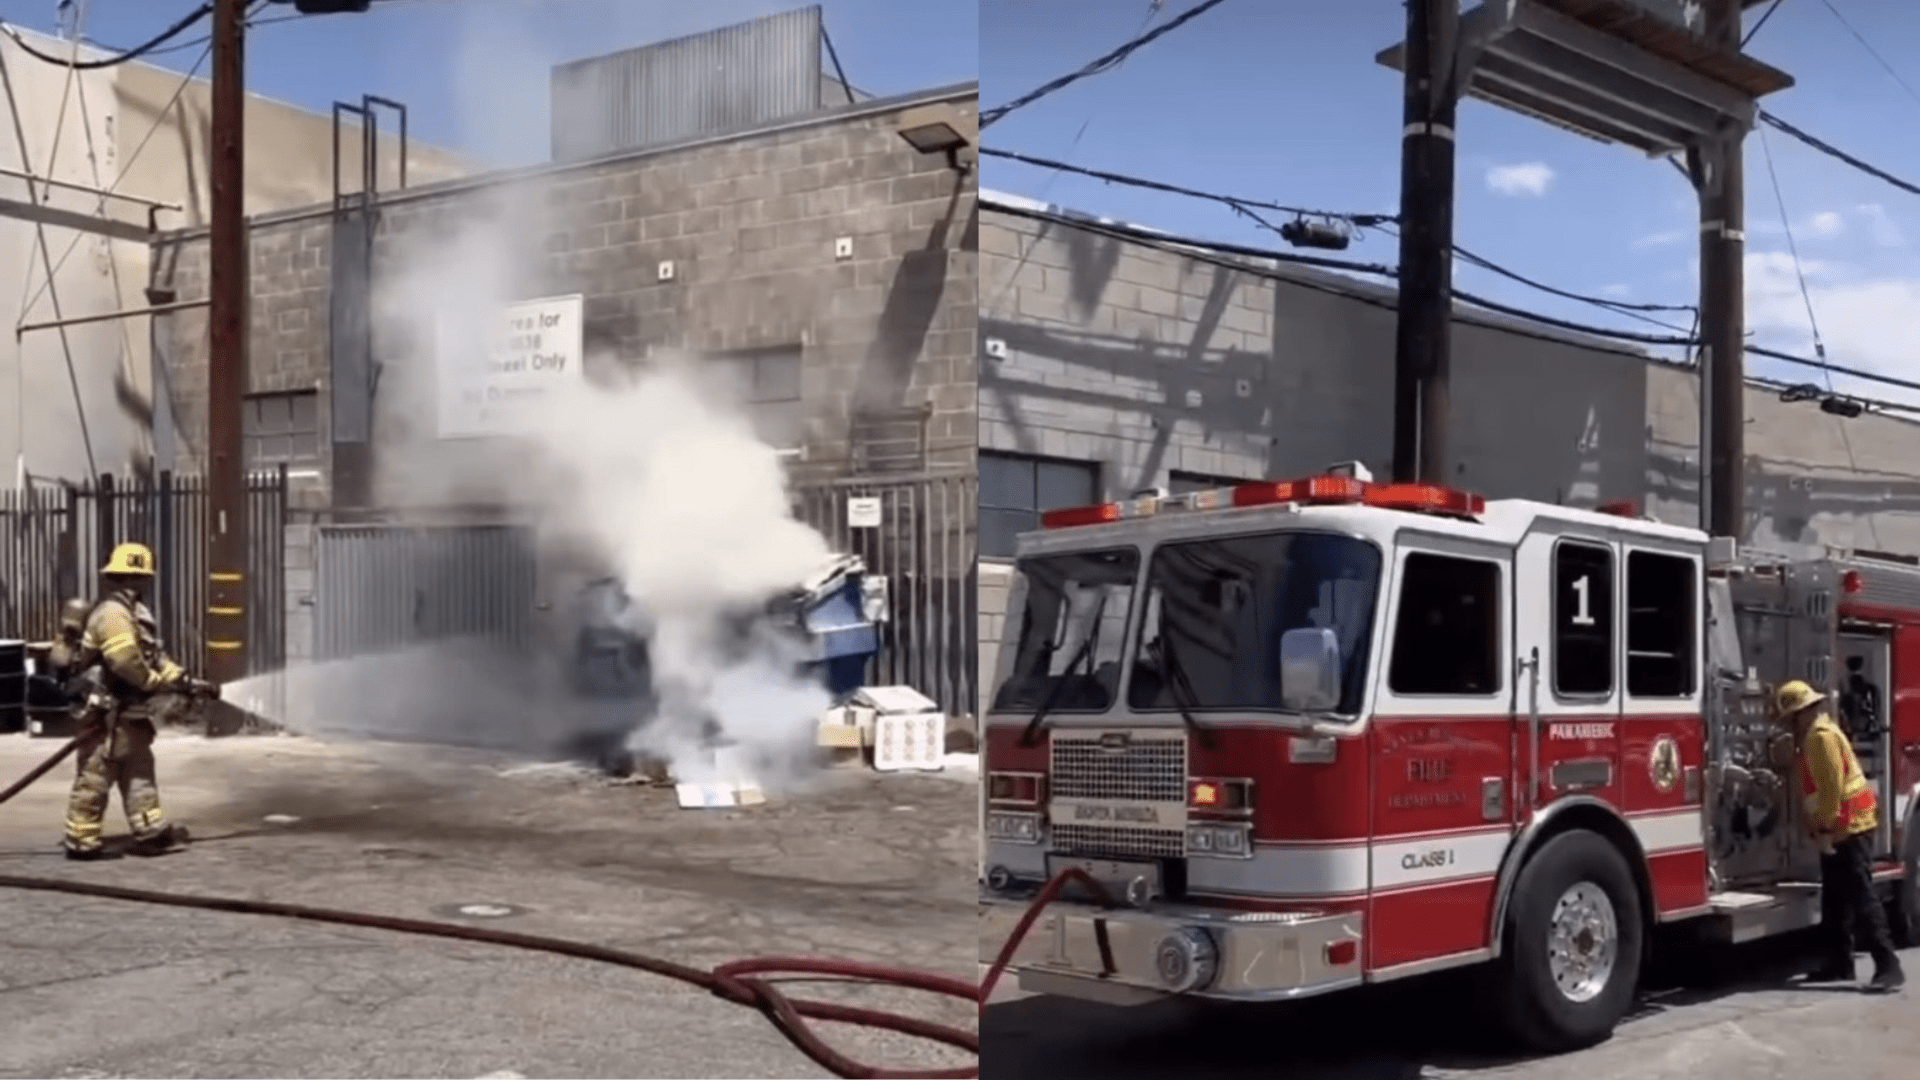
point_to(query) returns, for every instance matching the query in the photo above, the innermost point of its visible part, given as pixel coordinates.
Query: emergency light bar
(1310, 491)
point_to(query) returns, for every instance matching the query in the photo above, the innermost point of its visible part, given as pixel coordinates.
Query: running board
(1749, 916)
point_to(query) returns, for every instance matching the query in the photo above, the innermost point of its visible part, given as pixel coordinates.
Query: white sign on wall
(490, 376)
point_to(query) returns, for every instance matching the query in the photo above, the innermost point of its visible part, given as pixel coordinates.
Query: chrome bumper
(1166, 950)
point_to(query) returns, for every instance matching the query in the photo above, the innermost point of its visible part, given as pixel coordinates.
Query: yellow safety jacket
(122, 635)
(1838, 798)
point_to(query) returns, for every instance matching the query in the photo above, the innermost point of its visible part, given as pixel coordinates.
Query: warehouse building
(1114, 361)
(816, 243)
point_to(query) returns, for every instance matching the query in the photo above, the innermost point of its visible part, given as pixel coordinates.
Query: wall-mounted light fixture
(942, 129)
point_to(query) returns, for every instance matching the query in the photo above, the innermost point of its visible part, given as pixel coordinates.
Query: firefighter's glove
(201, 688)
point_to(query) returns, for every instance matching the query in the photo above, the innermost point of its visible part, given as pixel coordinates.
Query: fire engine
(1303, 736)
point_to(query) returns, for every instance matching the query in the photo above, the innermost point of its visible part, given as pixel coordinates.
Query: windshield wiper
(1181, 691)
(1080, 656)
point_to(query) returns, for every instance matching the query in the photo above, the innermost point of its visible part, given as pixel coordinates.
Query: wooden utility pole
(1423, 341)
(226, 622)
(1720, 179)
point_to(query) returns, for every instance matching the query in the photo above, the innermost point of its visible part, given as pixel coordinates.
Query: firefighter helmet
(73, 614)
(131, 559)
(1794, 696)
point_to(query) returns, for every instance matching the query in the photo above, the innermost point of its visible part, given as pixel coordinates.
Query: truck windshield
(1066, 631)
(1215, 611)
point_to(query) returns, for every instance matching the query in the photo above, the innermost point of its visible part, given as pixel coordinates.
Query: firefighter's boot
(94, 853)
(170, 839)
(1887, 974)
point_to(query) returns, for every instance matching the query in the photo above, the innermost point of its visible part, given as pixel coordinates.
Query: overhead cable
(1104, 64)
(1246, 206)
(182, 26)
(1838, 154)
(1230, 257)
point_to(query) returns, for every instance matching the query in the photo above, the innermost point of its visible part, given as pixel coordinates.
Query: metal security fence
(919, 532)
(384, 587)
(55, 537)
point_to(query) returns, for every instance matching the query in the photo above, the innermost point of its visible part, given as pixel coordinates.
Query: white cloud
(1866, 322)
(1827, 223)
(1530, 179)
(1886, 231)
(1616, 292)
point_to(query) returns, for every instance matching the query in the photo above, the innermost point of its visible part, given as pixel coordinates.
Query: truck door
(1567, 637)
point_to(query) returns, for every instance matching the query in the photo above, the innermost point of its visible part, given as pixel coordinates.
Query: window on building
(1181, 483)
(1447, 636)
(768, 383)
(1583, 637)
(1661, 627)
(1015, 490)
(281, 429)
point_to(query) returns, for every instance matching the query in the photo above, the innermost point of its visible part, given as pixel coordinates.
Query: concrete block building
(1109, 367)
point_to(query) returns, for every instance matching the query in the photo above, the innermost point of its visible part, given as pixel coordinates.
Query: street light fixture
(941, 129)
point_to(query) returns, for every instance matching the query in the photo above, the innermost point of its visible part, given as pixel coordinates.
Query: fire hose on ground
(742, 982)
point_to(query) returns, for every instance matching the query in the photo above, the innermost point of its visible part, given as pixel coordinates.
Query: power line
(1227, 257)
(182, 26)
(1246, 207)
(1835, 152)
(1104, 64)
(1755, 29)
(1871, 51)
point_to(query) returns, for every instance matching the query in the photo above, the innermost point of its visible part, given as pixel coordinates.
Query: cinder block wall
(750, 223)
(1147, 361)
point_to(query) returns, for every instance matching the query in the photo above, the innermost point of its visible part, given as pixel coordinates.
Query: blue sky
(1281, 100)
(473, 73)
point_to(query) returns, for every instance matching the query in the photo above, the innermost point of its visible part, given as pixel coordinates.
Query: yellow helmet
(134, 559)
(1793, 696)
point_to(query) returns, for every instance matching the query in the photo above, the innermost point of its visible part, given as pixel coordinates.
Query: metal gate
(379, 588)
(54, 537)
(919, 532)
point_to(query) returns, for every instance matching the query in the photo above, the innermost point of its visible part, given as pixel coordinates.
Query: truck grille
(1132, 766)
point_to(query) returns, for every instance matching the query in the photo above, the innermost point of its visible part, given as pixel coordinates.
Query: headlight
(1013, 828)
(1220, 841)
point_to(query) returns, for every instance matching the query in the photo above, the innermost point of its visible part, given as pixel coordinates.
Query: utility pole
(1719, 177)
(1423, 339)
(226, 622)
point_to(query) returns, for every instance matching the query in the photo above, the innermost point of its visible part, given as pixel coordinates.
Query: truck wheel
(1903, 910)
(1573, 945)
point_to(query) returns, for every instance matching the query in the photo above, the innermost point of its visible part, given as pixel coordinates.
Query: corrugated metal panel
(730, 79)
(385, 587)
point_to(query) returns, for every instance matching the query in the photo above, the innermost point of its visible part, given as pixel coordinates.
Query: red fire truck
(1304, 736)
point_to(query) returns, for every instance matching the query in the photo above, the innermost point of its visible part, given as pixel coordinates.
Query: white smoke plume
(650, 473)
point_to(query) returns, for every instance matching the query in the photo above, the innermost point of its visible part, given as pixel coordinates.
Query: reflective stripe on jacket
(121, 633)
(1838, 797)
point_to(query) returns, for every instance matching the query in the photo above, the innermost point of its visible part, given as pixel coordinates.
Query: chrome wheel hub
(1583, 942)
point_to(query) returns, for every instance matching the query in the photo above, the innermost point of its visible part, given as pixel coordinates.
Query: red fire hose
(743, 982)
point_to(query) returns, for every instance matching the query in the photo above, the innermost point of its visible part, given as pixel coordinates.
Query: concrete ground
(1732, 1015)
(865, 867)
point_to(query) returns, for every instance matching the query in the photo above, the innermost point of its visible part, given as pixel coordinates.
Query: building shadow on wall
(913, 300)
(1784, 504)
(1321, 393)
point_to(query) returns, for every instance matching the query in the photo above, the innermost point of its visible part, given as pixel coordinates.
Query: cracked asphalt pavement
(860, 867)
(1714, 1014)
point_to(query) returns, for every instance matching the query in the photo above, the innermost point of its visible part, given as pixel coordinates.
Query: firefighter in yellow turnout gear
(1842, 814)
(117, 721)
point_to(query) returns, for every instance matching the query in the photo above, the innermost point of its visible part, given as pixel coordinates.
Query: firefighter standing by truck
(117, 721)
(1842, 813)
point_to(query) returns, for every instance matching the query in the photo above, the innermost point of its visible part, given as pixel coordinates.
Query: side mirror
(1309, 669)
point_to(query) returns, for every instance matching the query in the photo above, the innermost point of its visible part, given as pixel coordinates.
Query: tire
(1579, 882)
